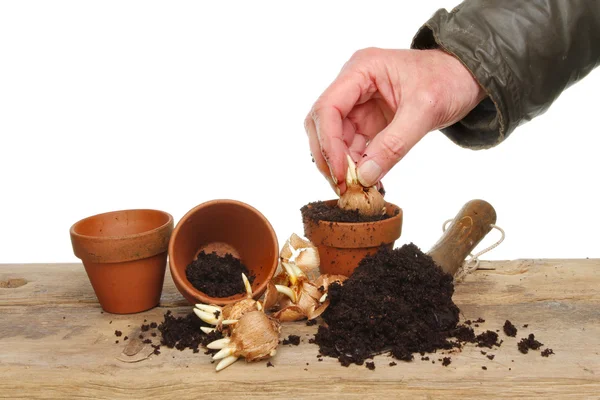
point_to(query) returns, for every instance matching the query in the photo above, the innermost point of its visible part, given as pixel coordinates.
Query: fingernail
(369, 173)
(333, 178)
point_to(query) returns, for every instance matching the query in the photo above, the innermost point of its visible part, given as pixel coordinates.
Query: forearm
(523, 53)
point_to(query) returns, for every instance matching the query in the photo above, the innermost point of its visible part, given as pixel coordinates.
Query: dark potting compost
(292, 340)
(509, 329)
(217, 276)
(547, 352)
(184, 332)
(321, 211)
(397, 301)
(400, 302)
(528, 343)
(487, 339)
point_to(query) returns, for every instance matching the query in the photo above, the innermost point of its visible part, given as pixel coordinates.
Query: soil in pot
(217, 276)
(322, 211)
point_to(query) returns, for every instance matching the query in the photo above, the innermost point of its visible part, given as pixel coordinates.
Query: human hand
(381, 104)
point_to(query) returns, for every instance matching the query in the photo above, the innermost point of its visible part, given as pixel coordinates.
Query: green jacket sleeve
(524, 53)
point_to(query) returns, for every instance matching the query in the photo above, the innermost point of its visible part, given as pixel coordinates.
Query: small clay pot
(125, 256)
(224, 226)
(342, 245)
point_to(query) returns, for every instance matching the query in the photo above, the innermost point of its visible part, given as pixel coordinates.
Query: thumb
(390, 146)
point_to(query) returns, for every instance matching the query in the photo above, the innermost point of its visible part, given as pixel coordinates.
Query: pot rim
(184, 285)
(399, 214)
(73, 228)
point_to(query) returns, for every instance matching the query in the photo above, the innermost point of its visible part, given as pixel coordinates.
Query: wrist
(465, 80)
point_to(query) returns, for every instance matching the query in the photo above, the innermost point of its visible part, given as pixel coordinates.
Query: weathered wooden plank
(520, 281)
(55, 343)
(41, 353)
(63, 284)
(510, 282)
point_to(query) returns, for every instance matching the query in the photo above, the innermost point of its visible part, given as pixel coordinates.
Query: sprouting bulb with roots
(298, 296)
(301, 253)
(222, 317)
(255, 337)
(368, 201)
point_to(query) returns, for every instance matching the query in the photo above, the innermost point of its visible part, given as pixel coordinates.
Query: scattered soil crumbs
(118, 333)
(487, 339)
(153, 325)
(320, 211)
(370, 365)
(270, 364)
(184, 332)
(464, 333)
(446, 361)
(393, 364)
(396, 301)
(484, 368)
(292, 339)
(217, 276)
(529, 343)
(491, 356)
(547, 352)
(510, 329)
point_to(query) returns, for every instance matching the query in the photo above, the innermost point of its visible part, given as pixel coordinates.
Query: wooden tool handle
(470, 225)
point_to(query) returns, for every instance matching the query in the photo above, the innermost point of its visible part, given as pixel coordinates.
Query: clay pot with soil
(214, 243)
(125, 255)
(348, 229)
(345, 238)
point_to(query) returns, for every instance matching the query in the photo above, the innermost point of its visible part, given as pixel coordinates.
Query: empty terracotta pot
(342, 245)
(224, 226)
(125, 256)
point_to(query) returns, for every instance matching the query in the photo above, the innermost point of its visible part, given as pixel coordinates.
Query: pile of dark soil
(217, 276)
(399, 302)
(396, 301)
(184, 332)
(321, 211)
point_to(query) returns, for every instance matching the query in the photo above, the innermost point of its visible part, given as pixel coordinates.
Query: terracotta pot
(125, 255)
(224, 226)
(342, 245)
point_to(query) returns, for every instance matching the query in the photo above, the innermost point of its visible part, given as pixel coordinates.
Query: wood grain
(56, 343)
(474, 220)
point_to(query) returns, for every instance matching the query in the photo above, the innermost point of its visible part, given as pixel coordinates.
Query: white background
(112, 105)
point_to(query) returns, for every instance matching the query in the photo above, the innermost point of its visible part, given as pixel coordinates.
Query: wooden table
(56, 343)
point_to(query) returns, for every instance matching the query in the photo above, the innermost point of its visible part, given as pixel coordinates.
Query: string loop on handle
(472, 263)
